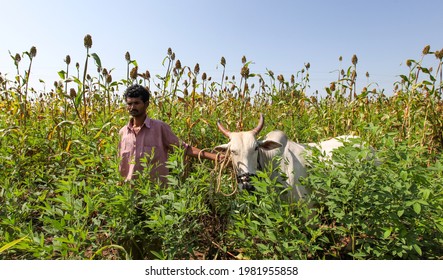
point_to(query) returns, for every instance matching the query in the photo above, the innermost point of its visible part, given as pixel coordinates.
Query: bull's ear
(269, 144)
(221, 148)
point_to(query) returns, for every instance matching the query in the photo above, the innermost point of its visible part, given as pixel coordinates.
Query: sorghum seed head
(332, 86)
(280, 78)
(244, 71)
(439, 54)
(367, 74)
(77, 65)
(109, 79)
(105, 72)
(169, 51)
(68, 59)
(204, 76)
(354, 60)
(128, 57)
(243, 59)
(426, 50)
(72, 93)
(88, 41)
(134, 73)
(173, 56)
(409, 62)
(17, 58)
(33, 51)
(308, 65)
(147, 75)
(223, 61)
(292, 79)
(196, 69)
(178, 64)
(340, 58)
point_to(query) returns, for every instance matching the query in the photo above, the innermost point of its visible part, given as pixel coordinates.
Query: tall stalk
(88, 45)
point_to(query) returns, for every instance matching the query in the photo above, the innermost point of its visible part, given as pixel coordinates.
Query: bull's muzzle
(244, 180)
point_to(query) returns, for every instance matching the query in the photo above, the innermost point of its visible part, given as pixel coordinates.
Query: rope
(218, 170)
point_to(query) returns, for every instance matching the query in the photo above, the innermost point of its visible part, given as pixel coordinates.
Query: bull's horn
(226, 132)
(259, 127)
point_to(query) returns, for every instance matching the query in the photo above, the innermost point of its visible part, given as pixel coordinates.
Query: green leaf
(11, 244)
(387, 233)
(97, 60)
(417, 249)
(62, 74)
(417, 207)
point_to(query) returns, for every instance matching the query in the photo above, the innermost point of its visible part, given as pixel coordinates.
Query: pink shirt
(153, 142)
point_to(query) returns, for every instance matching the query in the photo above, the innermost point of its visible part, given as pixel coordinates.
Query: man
(147, 138)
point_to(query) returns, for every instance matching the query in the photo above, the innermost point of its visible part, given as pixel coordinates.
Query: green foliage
(61, 196)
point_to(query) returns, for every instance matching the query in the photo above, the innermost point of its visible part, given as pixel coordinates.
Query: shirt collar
(147, 123)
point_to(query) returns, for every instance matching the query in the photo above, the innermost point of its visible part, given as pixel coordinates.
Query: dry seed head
(185, 92)
(409, 62)
(342, 72)
(128, 57)
(178, 64)
(223, 61)
(196, 69)
(173, 56)
(77, 65)
(88, 41)
(332, 86)
(147, 75)
(244, 71)
(134, 73)
(439, 54)
(33, 51)
(340, 58)
(292, 79)
(105, 72)
(204, 76)
(308, 65)
(367, 74)
(243, 59)
(353, 75)
(354, 60)
(17, 58)
(169, 51)
(68, 59)
(426, 50)
(280, 78)
(72, 93)
(109, 79)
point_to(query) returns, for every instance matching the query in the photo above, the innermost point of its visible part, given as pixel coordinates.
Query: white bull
(249, 155)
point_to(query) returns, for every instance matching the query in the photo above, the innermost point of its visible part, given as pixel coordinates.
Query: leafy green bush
(386, 211)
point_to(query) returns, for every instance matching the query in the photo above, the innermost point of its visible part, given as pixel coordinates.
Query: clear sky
(280, 35)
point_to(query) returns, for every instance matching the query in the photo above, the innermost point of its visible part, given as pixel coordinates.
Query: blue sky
(279, 35)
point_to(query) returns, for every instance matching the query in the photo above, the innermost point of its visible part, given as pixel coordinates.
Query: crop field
(61, 196)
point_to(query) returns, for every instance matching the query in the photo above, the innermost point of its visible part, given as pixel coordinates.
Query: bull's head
(244, 150)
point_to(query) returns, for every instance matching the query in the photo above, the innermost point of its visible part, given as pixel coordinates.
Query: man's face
(136, 106)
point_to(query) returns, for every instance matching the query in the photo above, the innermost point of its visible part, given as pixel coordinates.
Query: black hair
(136, 91)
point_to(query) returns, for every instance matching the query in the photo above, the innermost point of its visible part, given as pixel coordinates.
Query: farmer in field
(147, 138)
